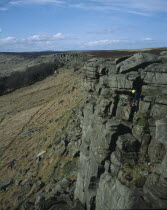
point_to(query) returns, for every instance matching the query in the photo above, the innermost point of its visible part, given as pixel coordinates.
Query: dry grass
(31, 119)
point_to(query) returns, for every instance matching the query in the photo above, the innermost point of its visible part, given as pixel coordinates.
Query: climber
(136, 99)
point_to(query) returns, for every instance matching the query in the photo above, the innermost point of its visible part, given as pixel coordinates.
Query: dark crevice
(112, 146)
(124, 129)
(93, 183)
(115, 107)
(119, 60)
(137, 85)
(101, 170)
(77, 154)
(93, 203)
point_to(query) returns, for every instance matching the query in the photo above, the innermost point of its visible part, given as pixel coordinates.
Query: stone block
(127, 143)
(158, 111)
(161, 131)
(136, 61)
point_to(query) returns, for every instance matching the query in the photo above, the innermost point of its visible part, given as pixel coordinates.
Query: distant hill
(19, 61)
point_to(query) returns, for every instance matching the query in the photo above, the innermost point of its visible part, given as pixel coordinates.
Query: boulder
(65, 183)
(136, 61)
(41, 153)
(5, 184)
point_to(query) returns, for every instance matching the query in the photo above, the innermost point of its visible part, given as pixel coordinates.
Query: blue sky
(36, 25)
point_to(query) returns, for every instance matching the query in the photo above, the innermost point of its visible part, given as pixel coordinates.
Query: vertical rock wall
(123, 160)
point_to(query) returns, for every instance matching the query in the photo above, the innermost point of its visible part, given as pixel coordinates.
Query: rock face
(123, 160)
(71, 60)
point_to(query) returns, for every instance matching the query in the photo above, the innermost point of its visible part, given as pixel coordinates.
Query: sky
(60, 25)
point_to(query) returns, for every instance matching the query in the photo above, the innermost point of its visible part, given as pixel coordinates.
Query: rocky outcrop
(37, 68)
(123, 159)
(71, 60)
(11, 62)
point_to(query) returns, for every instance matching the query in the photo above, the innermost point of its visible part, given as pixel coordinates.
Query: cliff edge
(123, 159)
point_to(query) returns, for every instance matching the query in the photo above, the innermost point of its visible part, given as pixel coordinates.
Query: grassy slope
(43, 108)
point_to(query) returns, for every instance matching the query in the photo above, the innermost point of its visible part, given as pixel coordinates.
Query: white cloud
(139, 13)
(35, 42)
(7, 40)
(148, 39)
(3, 8)
(104, 42)
(20, 2)
(44, 38)
(136, 7)
(141, 7)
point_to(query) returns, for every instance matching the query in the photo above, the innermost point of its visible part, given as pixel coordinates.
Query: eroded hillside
(32, 121)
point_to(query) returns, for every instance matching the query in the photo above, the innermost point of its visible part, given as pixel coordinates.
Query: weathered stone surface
(149, 98)
(114, 169)
(161, 131)
(156, 151)
(162, 167)
(87, 180)
(122, 146)
(5, 184)
(155, 189)
(158, 111)
(156, 68)
(127, 143)
(136, 61)
(120, 82)
(112, 194)
(144, 107)
(155, 78)
(161, 101)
